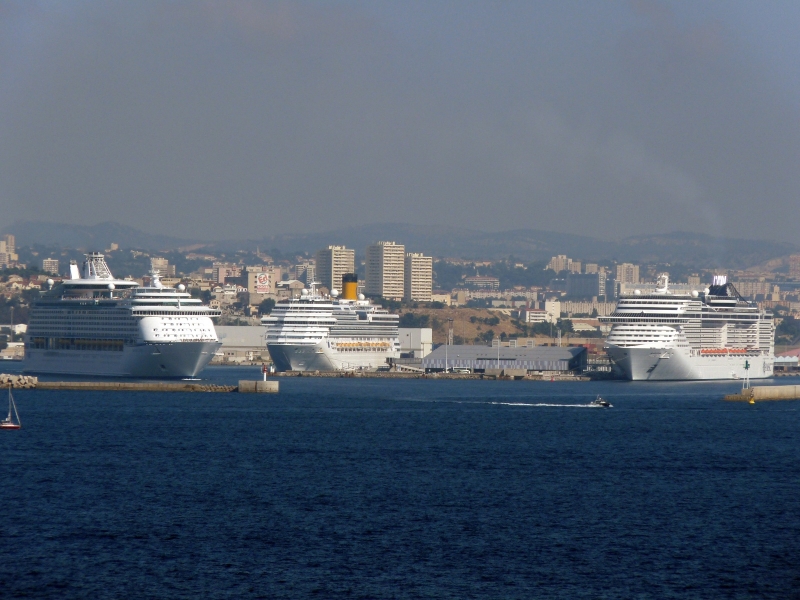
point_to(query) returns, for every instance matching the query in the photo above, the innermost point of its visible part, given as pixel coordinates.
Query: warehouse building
(415, 342)
(241, 344)
(480, 358)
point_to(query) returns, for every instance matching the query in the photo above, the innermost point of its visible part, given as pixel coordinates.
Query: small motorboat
(600, 403)
(9, 422)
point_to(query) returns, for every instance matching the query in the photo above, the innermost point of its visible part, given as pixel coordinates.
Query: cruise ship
(318, 332)
(713, 334)
(94, 324)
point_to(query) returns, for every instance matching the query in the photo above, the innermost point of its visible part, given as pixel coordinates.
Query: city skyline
(526, 244)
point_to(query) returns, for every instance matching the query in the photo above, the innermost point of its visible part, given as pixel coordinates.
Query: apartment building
(533, 315)
(627, 273)
(332, 263)
(553, 309)
(418, 277)
(162, 266)
(559, 263)
(563, 263)
(482, 282)
(794, 266)
(8, 251)
(587, 308)
(586, 285)
(261, 279)
(222, 271)
(306, 272)
(50, 265)
(385, 270)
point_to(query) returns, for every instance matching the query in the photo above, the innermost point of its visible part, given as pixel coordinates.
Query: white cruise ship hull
(319, 357)
(673, 364)
(178, 359)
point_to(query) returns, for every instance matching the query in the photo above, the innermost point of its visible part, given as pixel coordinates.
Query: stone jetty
(18, 382)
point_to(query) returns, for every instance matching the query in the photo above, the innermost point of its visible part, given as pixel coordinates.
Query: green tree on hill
(411, 320)
(266, 306)
(788, 330)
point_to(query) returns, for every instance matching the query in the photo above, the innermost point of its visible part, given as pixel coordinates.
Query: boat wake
(547, 404)
(502, 403)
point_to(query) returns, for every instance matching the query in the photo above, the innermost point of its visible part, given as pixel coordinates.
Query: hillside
(700, 251)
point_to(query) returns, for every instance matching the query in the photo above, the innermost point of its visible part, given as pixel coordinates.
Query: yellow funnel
(350, 286)
(350, 291)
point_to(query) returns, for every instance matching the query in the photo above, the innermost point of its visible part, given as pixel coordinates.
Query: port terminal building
(539, 359)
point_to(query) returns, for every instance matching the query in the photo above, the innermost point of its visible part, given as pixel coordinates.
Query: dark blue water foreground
(342, 488)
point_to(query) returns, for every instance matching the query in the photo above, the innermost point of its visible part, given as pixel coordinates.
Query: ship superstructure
(318, 332)
(713, 334)
(94, 324)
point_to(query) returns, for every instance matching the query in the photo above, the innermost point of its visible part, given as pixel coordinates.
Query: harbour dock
(491, 374)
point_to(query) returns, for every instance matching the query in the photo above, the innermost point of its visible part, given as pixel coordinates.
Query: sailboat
(8, 422)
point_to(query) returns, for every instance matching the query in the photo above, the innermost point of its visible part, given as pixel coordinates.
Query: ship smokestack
(350, 286)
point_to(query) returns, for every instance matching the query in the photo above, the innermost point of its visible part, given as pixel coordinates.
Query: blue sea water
(349, 488)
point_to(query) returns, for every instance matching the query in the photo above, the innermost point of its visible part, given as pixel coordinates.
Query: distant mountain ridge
(90, 237)
(441, 241)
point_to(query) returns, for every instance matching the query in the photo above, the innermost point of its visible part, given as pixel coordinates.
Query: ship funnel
(662, 283)
(350, 286)
(74, 272)
(95, 267)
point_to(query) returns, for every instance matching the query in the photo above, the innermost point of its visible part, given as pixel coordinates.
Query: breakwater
(29, 382)
(122, 386)
(762, 393)
(18, 381)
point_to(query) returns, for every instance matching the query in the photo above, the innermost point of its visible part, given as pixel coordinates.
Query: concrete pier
(762, 393)
(258, 387)
(122, 386)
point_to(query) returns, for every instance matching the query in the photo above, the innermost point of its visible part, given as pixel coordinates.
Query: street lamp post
(449, 341)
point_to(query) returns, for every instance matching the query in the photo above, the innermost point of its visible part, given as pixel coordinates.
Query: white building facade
(418, 277)
(386, 270)
(332, 263)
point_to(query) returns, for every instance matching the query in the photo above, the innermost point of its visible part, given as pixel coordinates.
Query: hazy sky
(226, 119)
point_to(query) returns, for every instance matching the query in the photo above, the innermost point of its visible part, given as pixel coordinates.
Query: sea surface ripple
(365, 488)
